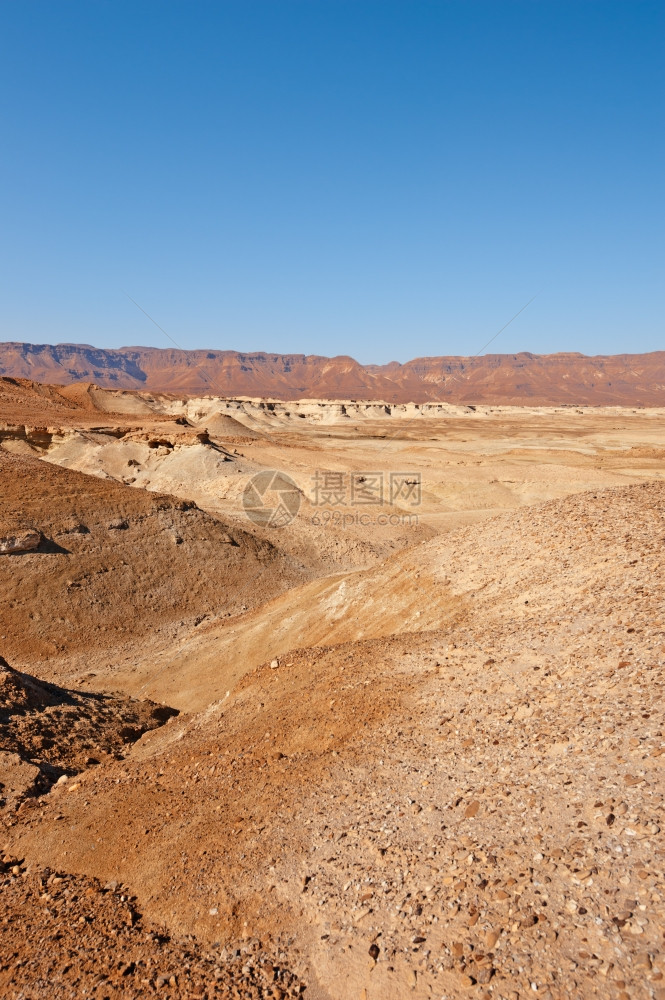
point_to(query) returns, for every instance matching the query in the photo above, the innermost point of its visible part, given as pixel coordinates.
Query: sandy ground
(419, 742)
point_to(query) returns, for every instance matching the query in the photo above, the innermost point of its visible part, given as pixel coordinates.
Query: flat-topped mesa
(517, 379)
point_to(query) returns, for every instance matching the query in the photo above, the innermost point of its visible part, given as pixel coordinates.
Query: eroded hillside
(412, 764)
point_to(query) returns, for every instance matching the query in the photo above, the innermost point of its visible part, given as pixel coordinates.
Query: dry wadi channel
(404, 746)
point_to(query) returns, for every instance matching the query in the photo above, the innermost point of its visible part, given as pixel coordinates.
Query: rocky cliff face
(65, 363)
(623, 379)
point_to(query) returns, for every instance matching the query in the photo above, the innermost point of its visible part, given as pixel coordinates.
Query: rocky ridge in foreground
(472, 809)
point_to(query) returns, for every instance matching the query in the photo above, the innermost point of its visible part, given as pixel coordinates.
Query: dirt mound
(23, 399)
(657, 453)
(106, 948)
(47, 732)
(117, 564)
(20, 693)
(77, 403)
(221, 425)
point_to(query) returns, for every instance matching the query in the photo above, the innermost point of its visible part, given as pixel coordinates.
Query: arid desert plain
(333, 699)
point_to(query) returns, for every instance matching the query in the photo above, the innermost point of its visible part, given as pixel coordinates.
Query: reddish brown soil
(91, 940)
(117, 564)
(48, 732)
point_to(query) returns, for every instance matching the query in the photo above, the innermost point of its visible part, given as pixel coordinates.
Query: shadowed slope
(117, 563)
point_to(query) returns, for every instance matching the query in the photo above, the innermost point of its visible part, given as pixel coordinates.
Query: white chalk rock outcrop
(20, 541)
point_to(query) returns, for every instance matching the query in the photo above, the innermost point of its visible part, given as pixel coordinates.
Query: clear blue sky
(381, 179)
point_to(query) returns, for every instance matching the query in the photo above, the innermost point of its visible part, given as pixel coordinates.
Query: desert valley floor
(406, 742)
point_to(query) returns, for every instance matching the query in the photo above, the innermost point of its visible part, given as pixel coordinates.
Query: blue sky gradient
(381, 179)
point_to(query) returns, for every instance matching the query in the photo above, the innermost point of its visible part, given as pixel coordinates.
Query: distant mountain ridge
(511, 379)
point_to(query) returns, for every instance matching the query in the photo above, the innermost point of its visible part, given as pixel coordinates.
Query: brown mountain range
(523, 378)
